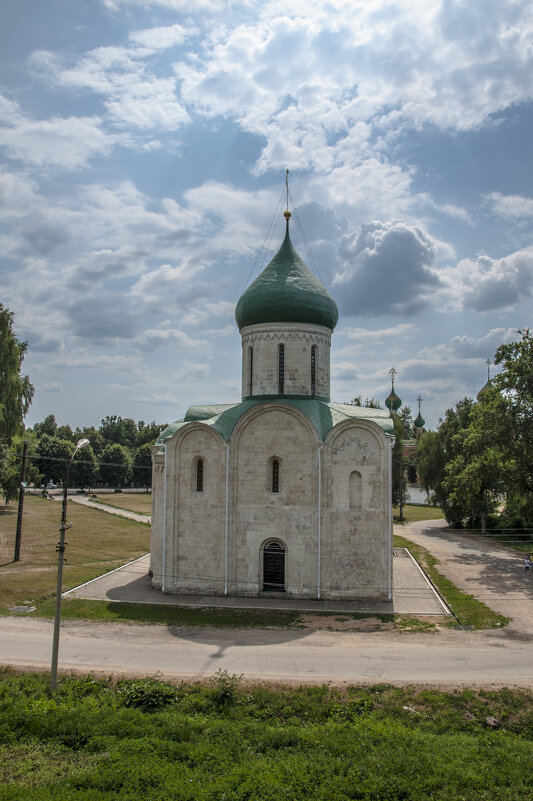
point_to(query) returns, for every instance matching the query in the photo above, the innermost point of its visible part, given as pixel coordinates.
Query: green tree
(114, 465)
(84, 472)
(406, 417)
(399, 477)
(47, 426)
(53, 457)
(94, 437)
(11, 463)
(368, 403)
(122, 431)
(505, 414)
(65, 432)
(147, 433)
(142, 467)
(473, 479)
(431, 464)
(436, 451)
(16, 391)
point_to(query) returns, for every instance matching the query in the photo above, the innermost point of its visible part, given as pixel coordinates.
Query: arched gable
(356, 456)
(265, 434)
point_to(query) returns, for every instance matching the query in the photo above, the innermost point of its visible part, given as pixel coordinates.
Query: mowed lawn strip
(139, 502)
(413, 513)
(97, 543)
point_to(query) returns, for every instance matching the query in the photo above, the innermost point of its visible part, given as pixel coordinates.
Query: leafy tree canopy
(368, 403)
(16, 391)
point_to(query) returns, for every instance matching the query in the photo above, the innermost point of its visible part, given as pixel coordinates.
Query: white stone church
(286, 491)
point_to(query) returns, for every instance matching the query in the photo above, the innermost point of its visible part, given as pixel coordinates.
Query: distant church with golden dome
(285, 492)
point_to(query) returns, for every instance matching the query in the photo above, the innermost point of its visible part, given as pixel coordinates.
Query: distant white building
(284, 492)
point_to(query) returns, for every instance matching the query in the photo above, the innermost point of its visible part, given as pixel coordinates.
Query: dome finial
(287, 213)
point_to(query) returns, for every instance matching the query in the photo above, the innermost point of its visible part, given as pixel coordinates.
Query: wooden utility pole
(22, 487)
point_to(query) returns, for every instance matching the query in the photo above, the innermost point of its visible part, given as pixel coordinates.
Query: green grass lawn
(412, 513)
(140, 502)
(97, 542)
(228, 741)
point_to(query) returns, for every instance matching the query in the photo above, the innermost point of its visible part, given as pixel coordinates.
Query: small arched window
(275, 475)
(313, 369)
(281, 369)
(250, 370)
(355, 489)
(200, 475)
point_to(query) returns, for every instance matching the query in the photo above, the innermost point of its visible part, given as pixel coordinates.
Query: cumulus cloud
(486, 284)
(101, 318)
(85, 360)
(154, 338)
(321, 83)
(476, 347)
(63, 143)
(173, 5)
(51, 386)
(132, 93)
(160, 38)
(366, 335)
(385, 267)
(511, 207)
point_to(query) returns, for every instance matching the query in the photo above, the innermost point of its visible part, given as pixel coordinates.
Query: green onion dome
(393, 402)
(484, 389)
(286, 291)
(419, 422)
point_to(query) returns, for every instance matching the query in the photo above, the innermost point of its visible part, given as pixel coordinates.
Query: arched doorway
(273, 567)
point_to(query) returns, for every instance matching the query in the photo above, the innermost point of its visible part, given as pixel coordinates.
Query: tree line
(118, 454)
(478, 465)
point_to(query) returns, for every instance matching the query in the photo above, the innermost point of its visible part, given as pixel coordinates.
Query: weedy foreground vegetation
(93, 740)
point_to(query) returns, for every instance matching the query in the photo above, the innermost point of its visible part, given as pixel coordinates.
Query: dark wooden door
(274, 568)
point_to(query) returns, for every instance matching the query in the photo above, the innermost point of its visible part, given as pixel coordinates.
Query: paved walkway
(113, 510)
(412, 593)
(492, 573)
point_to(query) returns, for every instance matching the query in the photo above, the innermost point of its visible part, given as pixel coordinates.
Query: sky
(143, 149)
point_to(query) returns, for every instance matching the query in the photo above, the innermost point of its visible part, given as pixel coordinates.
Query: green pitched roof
(286, 291)
(322, 414)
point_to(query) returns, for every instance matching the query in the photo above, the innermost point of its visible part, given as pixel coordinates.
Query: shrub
(224, 687)
(147, 694)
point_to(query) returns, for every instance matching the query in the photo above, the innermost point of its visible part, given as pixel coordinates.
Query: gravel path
(113, 510)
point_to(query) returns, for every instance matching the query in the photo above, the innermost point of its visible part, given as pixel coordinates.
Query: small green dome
(286, 291)
(484, 389)
(419, 422)
(393, 402)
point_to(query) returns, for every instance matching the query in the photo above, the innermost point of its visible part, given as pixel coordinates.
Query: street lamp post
(60, 559)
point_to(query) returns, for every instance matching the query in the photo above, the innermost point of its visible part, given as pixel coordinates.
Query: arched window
(199, 475)
(281, 369)
(313, 369)
(250, 370)
(274, 567)
(355, 489)
(275, 475)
